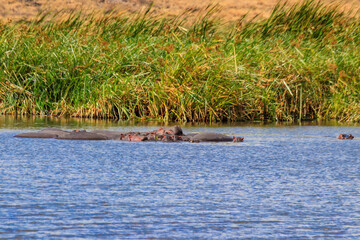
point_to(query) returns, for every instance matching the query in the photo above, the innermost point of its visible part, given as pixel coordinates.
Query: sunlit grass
(301, 63)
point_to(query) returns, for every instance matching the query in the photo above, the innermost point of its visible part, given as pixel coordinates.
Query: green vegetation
(301, 63)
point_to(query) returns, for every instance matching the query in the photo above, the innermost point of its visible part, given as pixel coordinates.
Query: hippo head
(160, 131)
(238, 139)
(175, 130)
(346, 136)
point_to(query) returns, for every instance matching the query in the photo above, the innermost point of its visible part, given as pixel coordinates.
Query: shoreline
(147, 67)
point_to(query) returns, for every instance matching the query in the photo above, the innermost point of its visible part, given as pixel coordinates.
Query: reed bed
(302, 63)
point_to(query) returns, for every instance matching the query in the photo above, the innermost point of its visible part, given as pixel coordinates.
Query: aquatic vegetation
(301, 63)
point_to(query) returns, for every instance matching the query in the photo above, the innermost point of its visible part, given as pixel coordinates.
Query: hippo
(238, 139)
(185, 138)
(211, 137)
(126, 137)
(346, 136)
(45, 133)
(153, 137)
(167, 138)
(176, 138)
(160, 131)
(36, 135)
(175, 130)
(111, 135)
(137, 138)
(82, 135)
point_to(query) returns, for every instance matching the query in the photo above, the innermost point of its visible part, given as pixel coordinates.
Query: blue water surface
(280, 183)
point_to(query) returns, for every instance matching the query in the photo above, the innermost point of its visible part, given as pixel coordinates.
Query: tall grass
(301, 63)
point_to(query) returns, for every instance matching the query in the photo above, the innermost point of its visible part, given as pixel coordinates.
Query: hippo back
(83, 136)
(211, 137)
(112, 135)
(45, 133)
(37, 135)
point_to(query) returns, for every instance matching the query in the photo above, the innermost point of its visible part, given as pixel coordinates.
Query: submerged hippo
(137, 138)
(214, 137)
(45, 133)
(82, 135)
(167, 138)
(111, 135)
(238, 139)
(346, 136)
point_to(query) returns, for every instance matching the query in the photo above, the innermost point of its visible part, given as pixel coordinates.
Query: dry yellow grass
(12, 10)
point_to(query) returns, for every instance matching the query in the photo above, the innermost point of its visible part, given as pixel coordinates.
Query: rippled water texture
(281, 183)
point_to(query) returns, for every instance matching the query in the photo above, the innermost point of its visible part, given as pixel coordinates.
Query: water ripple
(281, 183)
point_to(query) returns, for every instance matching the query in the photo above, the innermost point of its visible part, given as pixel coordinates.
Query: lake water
(282, 182)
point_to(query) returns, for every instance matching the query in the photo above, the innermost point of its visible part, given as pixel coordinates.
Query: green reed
(301, 63)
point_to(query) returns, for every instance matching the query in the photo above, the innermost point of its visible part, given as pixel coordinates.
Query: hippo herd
(171, 134)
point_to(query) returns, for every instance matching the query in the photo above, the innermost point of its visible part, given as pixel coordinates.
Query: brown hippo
(213, 137)
(160, 131)
(126, 137)
(346, 136)
(137, 138)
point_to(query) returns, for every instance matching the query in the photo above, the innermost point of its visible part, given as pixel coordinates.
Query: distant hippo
(175, 130)
(211, 137)
(45, 133)
(137, 138)
(346, 136)
(154, 137)
(167, 138)
(82, 135)
(111, 135)
(238, 139)
(160, 131)
(185, 138)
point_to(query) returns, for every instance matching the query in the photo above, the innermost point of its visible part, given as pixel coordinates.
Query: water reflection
(35, 122)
